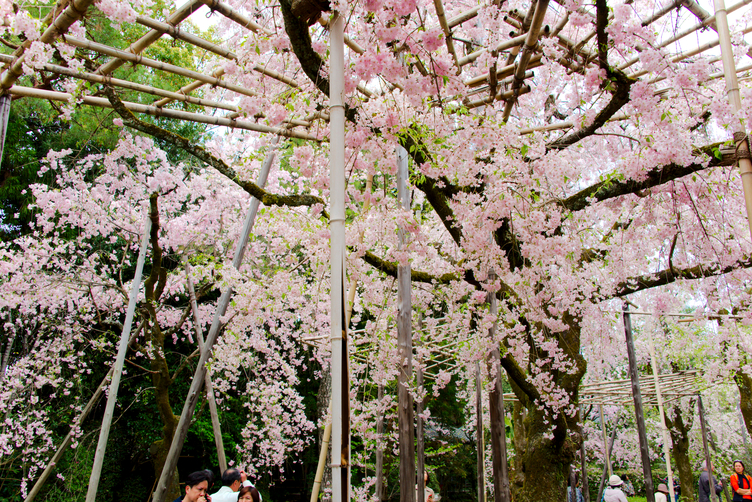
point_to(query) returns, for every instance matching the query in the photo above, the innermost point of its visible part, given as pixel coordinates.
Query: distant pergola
(502, 87)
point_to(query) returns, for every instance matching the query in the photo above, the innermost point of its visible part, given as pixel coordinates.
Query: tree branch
(655, 177)
(669, 275)
(200, 153)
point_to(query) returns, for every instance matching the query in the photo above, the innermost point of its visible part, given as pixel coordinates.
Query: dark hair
(252, 490)
(743, 467)
(197, 477)
(230, 476)
(210, 477)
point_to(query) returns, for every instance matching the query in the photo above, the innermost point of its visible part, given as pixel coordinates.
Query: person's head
(233, 478)
(248, 494)
(196, 486)
(739, 466)
(663, 488)
(615, 481)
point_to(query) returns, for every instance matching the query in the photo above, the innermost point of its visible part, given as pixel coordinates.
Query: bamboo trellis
(506, 82)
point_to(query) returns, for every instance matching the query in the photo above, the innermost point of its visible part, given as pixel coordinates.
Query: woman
(248, 494)
(741, 483)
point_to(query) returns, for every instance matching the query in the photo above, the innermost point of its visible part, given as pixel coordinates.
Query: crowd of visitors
(235, 487)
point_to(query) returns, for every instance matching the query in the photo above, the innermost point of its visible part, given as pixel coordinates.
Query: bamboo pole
(236, 16)
(117, 371)
(531, 42)
(339, 358)
(639, 416)
(72, 13)
(67, 440)
(322, 461)
(583, 459)
(605, 442)
(163, 112)
(405, 347)
(704, 429)
(185, 36)
(664, 429)
(5, 101)
(607, 463)
(379, 450)
(152, 36)
(197, 383)
(157, 65)
(101, 79)
(447, 32)
(479, 441)
(9, 347)
(732, 90)
(216, 426)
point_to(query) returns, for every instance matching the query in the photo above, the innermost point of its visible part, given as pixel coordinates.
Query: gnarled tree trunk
(679, 429)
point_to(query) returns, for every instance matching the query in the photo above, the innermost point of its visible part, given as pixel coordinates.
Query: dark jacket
(704, 486)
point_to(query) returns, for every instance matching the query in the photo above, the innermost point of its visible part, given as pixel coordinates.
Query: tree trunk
(520, 445)
(679, 429)
(744, 382)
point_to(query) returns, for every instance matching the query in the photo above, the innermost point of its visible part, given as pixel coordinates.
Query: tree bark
(679, 427)
(744, 383)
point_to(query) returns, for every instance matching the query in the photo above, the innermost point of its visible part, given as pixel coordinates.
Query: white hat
(615, 481)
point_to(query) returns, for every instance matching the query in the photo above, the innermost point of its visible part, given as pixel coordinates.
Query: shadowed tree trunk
(679, 427)
(744, 382)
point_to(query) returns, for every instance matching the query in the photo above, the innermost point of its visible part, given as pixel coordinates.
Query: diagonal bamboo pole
(5, 101)
(197, 383)
(152, 36)
(104, 433)
(216, 426)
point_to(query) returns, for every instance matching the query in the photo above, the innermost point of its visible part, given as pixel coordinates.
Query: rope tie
(740, 139)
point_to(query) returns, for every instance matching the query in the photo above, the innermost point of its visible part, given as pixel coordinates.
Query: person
(249, 494)
(613, 493)
(232, 481)
(578, 492)
(430, 495)
(741, 483)
(196, 486)
(703, 485)
(627, 487)
(661, 495)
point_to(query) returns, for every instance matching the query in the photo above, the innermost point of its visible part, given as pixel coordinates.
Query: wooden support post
(572, 488)
(9, 346)
(197, 383)
(605, 465)
(639, 416)
(704, 429)
(605, 443)
(322, 462)
(496, 409)
(340, 356)
(216, 426)
(405, 349)
(104, 432)
(379, 449)
(583, 459)
(420, 464)
(479, 440)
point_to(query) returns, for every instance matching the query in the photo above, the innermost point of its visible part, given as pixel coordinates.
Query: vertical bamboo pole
(605, 442)
(104, 432)
(405, 348)
(605, 467)
(640, 417)
(496, 408)
(732, 90)
(197, 383)
(583, 477)
(481, 462)
(704, 429)
(379, 449)
(572, 488)
(664, 429)
(339, 363)
(216, 426)
(9, 346)
(5, 101)
(322, 461)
